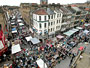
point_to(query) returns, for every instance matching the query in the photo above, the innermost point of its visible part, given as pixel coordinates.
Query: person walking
(71, 62)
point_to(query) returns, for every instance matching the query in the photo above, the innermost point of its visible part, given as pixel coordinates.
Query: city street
(45, 35)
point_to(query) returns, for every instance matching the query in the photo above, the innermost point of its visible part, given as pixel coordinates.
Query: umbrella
(81, 48)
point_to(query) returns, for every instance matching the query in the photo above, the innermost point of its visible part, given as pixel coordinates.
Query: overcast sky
(17, 2)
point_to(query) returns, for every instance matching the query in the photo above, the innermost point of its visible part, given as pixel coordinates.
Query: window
(51, 23)
(51, 29)
(45, 25)
(57, 21)
(40, 25)
(52, 16)
(57, 15)
(49, 17)
(39, 18)
(45, 18)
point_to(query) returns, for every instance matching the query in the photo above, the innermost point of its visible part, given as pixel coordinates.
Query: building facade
(40, 21)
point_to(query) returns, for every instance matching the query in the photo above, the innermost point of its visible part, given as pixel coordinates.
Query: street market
(28, 51)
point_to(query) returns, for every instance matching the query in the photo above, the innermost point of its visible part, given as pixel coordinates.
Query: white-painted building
(58, 20)
(40, 21)
(47, 21)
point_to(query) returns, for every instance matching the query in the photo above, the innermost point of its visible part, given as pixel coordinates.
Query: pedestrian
(71, 62)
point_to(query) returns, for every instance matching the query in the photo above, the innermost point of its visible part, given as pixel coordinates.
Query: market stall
(35, 41)
(85, 31)
(80, 28)
(28, 38)
(41, 63)
(16, 48)
(21, 24)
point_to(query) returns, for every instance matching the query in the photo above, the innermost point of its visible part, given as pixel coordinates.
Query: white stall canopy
(79, 28)
(85, 31)
(28, 38)
(41, 63)
(12, 23)
(16, 48)
(19, 20)
(14, 31)
(21, 24)
(35, 41)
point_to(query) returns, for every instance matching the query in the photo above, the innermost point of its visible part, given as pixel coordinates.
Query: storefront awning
(28, 38)
(16, 48)
(70, 32)
(35, 41)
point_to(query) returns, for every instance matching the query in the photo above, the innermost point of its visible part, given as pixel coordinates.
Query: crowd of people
(51, 54)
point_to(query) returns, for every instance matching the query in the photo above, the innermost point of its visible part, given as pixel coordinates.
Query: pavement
(84, 62)
(64, 63)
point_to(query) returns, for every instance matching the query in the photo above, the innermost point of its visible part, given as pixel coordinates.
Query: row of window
(40, 25)
(45, 18)
(49, 17)
(50, 23)
(52, 29)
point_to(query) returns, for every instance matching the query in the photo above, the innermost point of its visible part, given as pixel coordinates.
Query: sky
(17, 2)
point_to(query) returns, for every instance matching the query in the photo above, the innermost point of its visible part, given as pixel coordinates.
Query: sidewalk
(84, 62)
(64, 63)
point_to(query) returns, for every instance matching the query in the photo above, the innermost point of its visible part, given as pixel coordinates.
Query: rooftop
(41, 11)
(57, 10)
(65, 10)
(76, 8)
(70, 9)
(49, 11)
